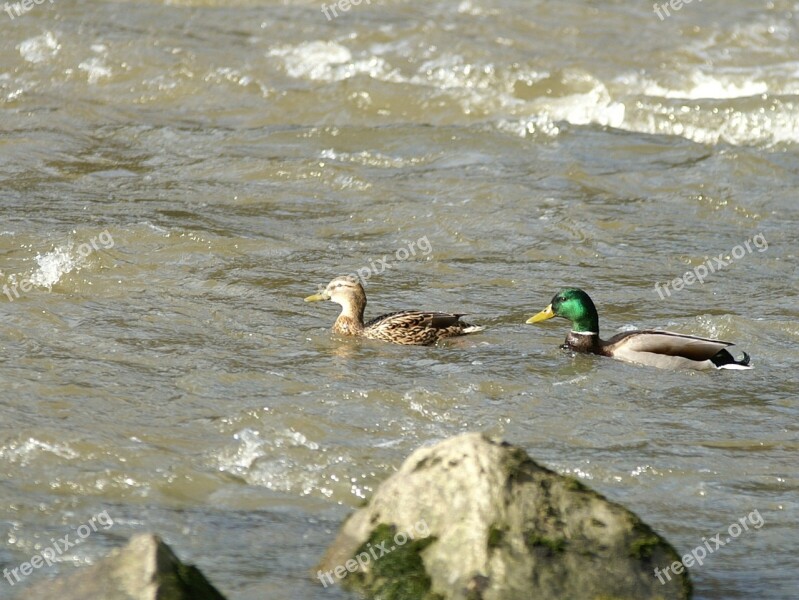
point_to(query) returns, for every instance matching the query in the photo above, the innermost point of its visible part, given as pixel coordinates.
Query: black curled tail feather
(725, 360)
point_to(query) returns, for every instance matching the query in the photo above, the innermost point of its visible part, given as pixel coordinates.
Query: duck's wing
(671, 350)
(417, 327)
(415, 318)
(667, 343)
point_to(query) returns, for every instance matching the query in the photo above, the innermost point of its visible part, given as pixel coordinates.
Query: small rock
(144, 569)
(473, 518)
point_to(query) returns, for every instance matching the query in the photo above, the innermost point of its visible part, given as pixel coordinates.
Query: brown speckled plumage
(411, 327)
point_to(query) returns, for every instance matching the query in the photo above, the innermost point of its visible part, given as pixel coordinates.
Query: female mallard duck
(413, 327)
(662, 349)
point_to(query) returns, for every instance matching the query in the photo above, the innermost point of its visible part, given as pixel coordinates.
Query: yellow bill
(542, 316)
(317, 297)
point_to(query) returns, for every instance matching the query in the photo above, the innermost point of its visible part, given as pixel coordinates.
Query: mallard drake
(656, 348)
(412, 327)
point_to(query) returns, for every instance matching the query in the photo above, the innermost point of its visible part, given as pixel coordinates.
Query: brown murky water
(176, 177)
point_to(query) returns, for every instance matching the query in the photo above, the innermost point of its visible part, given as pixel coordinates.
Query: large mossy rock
(498, 527)
(144, 569)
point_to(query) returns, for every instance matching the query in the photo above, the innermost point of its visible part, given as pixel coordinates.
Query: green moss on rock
(495, 537)
(187, 581)
(574, 485)
(645, 544)
(399, 574)
(553, 545)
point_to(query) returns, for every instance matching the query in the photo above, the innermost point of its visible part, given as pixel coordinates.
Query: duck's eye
(339, 284)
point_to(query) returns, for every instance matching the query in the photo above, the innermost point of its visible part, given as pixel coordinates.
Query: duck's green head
(576, 306)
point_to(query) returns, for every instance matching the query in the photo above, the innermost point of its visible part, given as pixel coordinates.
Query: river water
(177, 176)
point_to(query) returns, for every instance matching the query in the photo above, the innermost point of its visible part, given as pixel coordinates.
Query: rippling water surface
(177, 176)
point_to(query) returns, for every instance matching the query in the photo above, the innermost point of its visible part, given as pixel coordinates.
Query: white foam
(96, 69)
(594, 106)
(27, 450)
(739, 109)
(720, 108)
(40, 48)
(698, 86)
(740, 106)
(326, 61)
(250, 449)
(54, 265)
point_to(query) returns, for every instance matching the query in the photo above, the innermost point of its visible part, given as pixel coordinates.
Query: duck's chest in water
(582, 342)
(347, 326)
